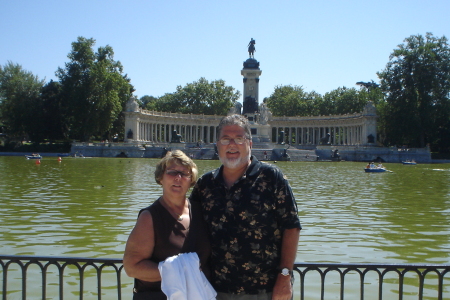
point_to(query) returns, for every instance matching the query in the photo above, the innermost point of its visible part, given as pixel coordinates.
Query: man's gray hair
(239, 120)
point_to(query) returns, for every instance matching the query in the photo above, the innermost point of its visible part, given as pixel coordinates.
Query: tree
(368, 85)
(416, 82)
(53, 125)
(94, 88)
(147, 102)
(199, 97)
(291, 100)
(19, 91)
(342, 101)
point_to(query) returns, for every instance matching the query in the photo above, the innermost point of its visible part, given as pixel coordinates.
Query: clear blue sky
(320, 45)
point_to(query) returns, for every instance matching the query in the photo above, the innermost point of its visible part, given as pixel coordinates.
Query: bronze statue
(325, 140)
(250, 105)
(176, 138)
(251, 48)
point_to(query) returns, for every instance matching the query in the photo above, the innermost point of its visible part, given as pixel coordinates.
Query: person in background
(252, 218)
(169, 226)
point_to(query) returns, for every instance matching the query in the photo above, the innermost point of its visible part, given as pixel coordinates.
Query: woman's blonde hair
(178, 157)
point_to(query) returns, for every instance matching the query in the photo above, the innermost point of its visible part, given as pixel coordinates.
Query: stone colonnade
(349, 129)
(157, 127)
(311, 134)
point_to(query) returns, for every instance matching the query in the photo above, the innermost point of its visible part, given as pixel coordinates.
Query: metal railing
(37, 277)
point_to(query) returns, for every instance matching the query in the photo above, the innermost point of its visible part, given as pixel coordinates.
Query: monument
(350, 136)
(257, 115)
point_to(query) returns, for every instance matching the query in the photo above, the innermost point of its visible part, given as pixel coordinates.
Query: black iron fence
(36, 277)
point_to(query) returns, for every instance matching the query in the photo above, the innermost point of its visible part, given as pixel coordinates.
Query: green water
(86, 207)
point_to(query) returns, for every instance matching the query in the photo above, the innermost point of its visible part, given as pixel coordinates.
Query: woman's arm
(139, 248)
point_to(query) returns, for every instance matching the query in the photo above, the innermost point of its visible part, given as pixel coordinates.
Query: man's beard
(233, 163)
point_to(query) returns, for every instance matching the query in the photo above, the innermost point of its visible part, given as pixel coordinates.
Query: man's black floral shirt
(246, 224)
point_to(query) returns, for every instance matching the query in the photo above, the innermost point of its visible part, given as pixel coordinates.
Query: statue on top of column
(251, 48)
(132, 105)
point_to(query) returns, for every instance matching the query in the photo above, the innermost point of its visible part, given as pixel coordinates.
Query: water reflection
(87, 207)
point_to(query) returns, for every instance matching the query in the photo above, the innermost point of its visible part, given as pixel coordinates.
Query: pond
(86, 207)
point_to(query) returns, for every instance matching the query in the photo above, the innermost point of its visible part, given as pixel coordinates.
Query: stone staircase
(277, 154)
(208, 152)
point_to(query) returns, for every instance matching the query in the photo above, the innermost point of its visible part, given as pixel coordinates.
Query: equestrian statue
(251, 48)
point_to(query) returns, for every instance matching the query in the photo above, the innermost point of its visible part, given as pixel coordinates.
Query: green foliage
(342, 101)
(199, 97)
(147, 102)
(416, 81)
(19, 92)
(94, 89)
(52, 115)
(291, 100)
(294, 101)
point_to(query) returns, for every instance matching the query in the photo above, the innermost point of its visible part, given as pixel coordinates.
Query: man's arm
(283, 289)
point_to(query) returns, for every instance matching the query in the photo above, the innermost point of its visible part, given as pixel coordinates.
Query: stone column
(196, 133)
(251, 73)
(208, 134)
(153, 132)
(147, 130)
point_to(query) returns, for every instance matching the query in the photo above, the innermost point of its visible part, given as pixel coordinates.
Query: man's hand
(283, 288)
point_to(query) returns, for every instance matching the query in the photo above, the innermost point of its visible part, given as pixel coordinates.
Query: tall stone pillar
(251, 73)
(369, 130)
(132, 120)
(251, 108)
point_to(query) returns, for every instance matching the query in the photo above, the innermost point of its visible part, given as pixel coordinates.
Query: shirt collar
(251, 171)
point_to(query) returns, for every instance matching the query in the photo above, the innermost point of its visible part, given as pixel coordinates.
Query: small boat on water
(409, 162)
(33, 156)
(374, 170)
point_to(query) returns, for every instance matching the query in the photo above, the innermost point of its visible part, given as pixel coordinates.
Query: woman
(170, 226)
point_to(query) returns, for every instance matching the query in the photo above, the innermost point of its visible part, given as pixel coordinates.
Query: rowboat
(33, 156)
(409, 163)
(374, 170)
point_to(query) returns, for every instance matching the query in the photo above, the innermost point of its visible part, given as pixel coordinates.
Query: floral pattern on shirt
(246, 224)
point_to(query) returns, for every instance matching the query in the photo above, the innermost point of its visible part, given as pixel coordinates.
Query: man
(251, 48)
(252, 217)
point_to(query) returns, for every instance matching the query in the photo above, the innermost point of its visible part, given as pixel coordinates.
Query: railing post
(4, 282)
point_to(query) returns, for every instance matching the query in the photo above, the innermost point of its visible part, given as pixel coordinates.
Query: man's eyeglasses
(239, 140)
(175, 173)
